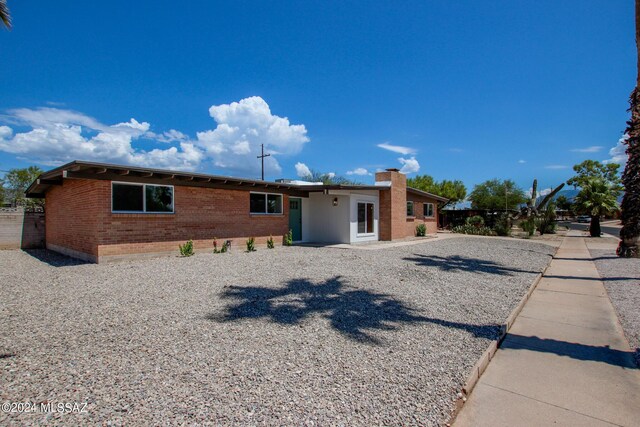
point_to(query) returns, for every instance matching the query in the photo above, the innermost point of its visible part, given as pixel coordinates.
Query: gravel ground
(290, 336)
(621, 277)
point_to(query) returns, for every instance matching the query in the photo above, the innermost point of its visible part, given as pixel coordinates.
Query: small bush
(529, 226)
(288, 238)
(222, 249)
(476, 221)
(546, 223)
(421, 230)
(251, 244)
(502, 226)
(187, 248)
(270, 244)
(473, 230)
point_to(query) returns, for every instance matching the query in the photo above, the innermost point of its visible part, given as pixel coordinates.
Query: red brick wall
(419, 218)
(82, 220)
(71, 216)
(393, 206)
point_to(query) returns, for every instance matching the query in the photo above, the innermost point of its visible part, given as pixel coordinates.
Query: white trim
(266, 205)
(365, 234)
(144, 198)
(433, 210)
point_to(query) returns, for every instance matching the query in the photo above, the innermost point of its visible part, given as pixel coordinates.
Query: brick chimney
(393, 205)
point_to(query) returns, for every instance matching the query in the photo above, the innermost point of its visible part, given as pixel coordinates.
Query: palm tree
(597, 197)
(5, 17)
(630, 216)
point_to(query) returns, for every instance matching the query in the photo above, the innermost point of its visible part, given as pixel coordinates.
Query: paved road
(614, 231)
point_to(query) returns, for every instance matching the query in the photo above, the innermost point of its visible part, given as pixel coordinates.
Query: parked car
(584, 218)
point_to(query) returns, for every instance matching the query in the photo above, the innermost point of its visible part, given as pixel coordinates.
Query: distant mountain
(570, 194)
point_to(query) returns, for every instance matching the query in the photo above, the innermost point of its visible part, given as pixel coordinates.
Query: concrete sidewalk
(565, 361)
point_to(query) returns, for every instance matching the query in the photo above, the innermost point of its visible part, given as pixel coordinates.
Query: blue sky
(461, 89)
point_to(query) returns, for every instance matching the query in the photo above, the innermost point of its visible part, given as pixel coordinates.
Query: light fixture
(335, 201)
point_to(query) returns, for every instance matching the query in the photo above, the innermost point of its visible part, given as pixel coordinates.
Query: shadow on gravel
(603, 354)
(460, 263)
(355, 313)
(54, 259)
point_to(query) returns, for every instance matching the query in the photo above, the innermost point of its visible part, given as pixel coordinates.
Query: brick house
(99, 212)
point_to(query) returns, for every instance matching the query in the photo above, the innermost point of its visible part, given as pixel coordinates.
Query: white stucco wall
(323, 222)
(306, 220)
(371, 197)
(328, 223)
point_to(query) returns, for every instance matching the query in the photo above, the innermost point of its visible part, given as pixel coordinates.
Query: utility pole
(261, 157)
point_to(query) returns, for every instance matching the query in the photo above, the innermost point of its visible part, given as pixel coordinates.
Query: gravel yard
(621, 277)
(290, 336)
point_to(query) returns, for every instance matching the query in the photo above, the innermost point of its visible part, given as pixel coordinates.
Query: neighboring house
(99, 212)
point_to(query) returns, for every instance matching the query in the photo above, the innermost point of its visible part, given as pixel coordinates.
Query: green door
(295, 218)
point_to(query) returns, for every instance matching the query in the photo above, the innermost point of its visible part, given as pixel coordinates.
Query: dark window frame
(144, 198)
(266, 203)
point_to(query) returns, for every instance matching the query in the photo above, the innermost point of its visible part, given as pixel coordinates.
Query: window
(264, 203)
(410, 209)
(365, 218)
(428, 210)
(141, 198)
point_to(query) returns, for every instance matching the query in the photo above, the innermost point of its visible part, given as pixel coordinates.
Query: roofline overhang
(424, 193)
(105, 171)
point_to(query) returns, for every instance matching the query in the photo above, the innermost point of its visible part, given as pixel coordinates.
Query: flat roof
(104, 171)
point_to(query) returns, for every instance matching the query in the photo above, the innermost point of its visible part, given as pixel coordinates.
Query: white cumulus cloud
(619, 152)
(302, 170)
(409, 165)
(359, 171)
(55, 136)
(397, 148)
(592, 149)
(59, 136)
(241, 128)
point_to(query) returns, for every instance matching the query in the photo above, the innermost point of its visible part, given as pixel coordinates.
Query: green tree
(593, 177)
(17, 181)
(5, 16)
(630, 216)
(564, 203)
(1, 192)
(597, 197)
(594, 169)
(328, 178)
(455, 190)
(497, 194)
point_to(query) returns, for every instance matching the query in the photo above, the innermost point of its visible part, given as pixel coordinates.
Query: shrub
(546, 223)
(288, 238)
(251, 244)
(187, 248)
(421, 230)
(471, 229)
(476, 221)
(502, 226)
(223, 248)
(529, 226)
(270, 244)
